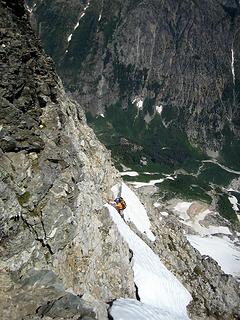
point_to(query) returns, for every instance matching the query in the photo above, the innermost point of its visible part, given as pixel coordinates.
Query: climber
(119, 204)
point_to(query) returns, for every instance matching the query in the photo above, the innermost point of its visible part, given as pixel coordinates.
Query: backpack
(123, 203)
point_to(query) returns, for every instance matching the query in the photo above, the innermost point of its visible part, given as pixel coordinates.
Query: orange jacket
(119, 206)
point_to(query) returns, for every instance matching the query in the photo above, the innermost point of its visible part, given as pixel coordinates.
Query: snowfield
(130, 309)
(162, 295)
(221, 250)
(211, 240)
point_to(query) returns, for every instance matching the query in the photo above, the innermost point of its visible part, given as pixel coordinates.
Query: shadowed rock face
(54, 178)
(184, 56)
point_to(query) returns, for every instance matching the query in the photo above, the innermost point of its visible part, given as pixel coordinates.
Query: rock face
(215, 294)
(61, 255)
(183, 57)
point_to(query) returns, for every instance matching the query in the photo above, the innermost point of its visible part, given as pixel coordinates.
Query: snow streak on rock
(77, 24)
(232, 66)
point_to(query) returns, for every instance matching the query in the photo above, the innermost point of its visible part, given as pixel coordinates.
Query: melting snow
(150, 173)
(129, 309)
(129, 173)
(69, 38)
(234, 202)
(161, 294)
(77, 24)
(232, 66)
(143, 184)
(194, 221)
(159, 109)
(138, 102)
(220, 249)
(181, 208)
(233, 190)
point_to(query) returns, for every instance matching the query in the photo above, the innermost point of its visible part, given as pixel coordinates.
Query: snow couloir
(161, 294)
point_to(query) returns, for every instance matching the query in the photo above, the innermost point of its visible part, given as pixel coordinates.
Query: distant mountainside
(179, 58)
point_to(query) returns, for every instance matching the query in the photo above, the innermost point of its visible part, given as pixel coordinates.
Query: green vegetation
(187, 187)
(24, 198)
(82, 43)
(230, 152)
(165, 150)
(212, 173)
(225, 209)
(109, 28)
(128, 77)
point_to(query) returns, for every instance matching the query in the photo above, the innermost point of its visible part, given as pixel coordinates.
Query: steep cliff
(61, 255)
(181, 57)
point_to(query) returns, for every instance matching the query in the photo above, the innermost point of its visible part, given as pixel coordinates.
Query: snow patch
(125, 168)
(210, 240)
(220, 249)
(129, 309)
(159, 109)
(232, 66)
(30, 10)
(143, 161)
(77, 24)
(69, 38)
(181, 208)
(138, 102)
(193, 221)
(234, 201)
(233, 190)
(151, 173)
(157, 286)
(143, 184)
(129, 173)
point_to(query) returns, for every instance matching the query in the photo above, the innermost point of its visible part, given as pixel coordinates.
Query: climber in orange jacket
(119, 204)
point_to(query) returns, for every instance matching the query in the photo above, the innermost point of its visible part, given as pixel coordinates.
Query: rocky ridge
(61, 255)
